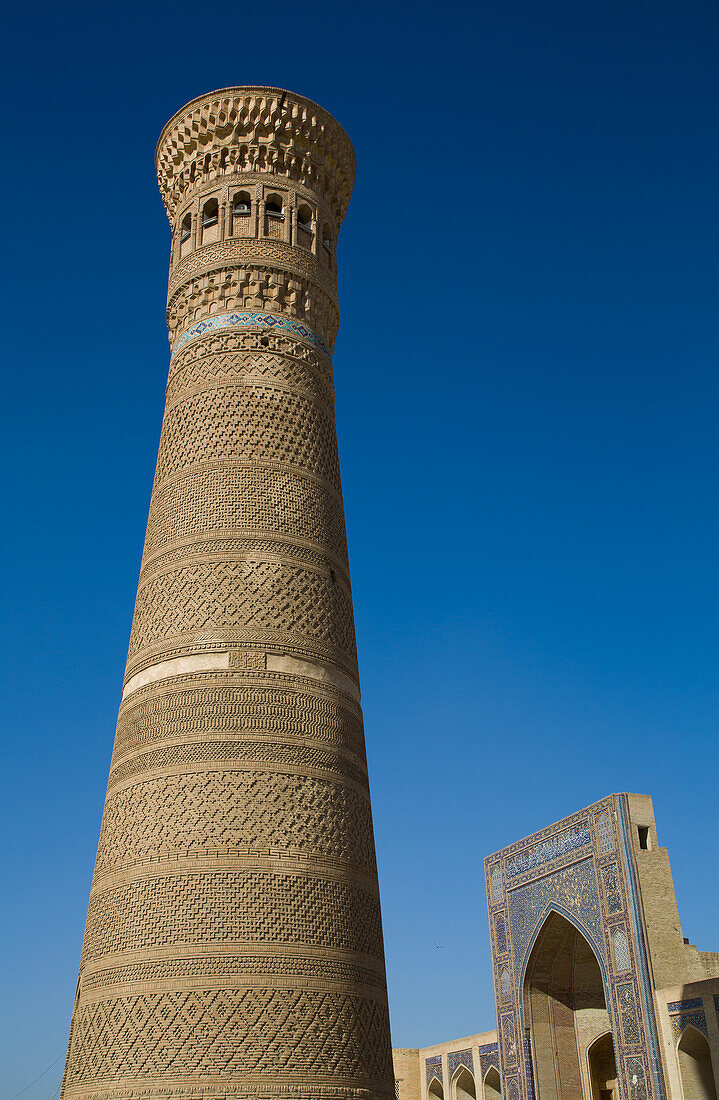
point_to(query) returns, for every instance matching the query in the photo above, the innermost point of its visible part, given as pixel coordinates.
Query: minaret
(233, 945)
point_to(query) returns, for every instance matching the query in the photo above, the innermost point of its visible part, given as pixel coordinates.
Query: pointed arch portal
(492, 1085)
(464, 1088)
(435, 1090)
(566, 1013)
(695, 1066)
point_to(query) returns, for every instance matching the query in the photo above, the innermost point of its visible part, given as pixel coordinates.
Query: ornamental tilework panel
(620, 950)
(500, 935)
(512, 1088)
(684, 1006)
(612, 888)
(433, 1068)
(529, 1075)
(573, 889)
(637, 1076)
(505, 986)
(690, 1019)
(250, 319)
(626, 999)
(509, 1041)
(459, 1058)
(605, 835)
(488, 1058)
(549, 850)
(582, 868)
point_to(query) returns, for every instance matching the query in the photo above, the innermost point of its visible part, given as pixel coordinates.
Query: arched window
(208, 162)
(241, 211)
(274, 217)
(186, 227)
(492, 1085)
(327, 245)
(210, 213)
(695, 1066)
(304, 226)
(210, 218)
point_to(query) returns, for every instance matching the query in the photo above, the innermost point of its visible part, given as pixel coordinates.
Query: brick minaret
(233, 945)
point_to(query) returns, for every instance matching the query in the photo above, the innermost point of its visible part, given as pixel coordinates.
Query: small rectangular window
(643, 831)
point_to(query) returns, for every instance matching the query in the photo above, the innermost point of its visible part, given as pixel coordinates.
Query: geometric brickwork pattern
(274, 597)
(276, 717)
(231, 1034)
(211, 257)
(245, 810)
(275, 427)
(233, 945)
(250, 295)
(197, 907)
(583, 869)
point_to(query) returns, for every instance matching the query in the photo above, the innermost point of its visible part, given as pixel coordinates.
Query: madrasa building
(598, 995)
(233, 945)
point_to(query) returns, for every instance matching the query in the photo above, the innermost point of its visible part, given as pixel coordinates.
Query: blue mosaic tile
(488, 1057)
(433, 1068)
(605, 833)
(459, 1058)
(694, 1019)
(250, 319)
(548, 850)
(528, 1069)
(682, 1006)
(573, 889)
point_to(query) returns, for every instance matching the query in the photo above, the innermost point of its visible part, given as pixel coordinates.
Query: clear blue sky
(527, 407)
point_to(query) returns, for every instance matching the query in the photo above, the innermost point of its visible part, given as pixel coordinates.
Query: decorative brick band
(251, 319)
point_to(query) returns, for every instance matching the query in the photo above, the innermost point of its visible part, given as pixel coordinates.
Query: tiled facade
(597, 881)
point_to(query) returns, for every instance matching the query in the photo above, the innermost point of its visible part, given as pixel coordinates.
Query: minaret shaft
(233, 945)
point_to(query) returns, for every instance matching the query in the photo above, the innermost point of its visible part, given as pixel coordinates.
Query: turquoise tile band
(251, 319)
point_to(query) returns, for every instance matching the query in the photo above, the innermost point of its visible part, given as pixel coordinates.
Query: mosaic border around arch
(581, 868)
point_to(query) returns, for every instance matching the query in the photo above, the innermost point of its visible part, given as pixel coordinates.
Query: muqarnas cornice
(259, 130)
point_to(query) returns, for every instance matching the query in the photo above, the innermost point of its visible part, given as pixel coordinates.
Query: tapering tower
(233, 945)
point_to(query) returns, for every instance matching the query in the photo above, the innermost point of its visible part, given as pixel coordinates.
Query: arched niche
(463, 1086)
(565, 1009)
(492, 1084)
(435, 1090)
(603, 1069)
(695, 1066)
